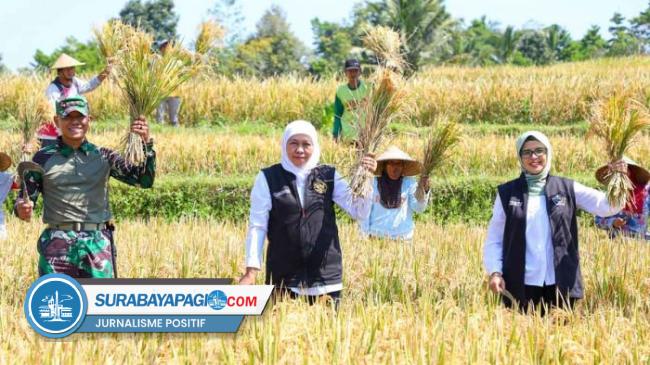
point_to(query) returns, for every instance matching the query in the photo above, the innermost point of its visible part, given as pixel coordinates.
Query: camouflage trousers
(85, 254)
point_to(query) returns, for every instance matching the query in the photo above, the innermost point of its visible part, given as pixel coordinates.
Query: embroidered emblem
(514, 202)
(319, 186)
(559, 200)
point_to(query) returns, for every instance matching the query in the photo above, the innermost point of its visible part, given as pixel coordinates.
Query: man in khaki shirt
(74, 183)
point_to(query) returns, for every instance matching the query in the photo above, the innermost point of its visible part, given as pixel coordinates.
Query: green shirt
(75, 182)
(347, 111)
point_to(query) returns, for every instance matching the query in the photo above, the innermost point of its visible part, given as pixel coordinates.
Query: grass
(418, 303)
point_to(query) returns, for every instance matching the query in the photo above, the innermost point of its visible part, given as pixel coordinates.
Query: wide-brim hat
(65, 61)
(641, 175)
(5, 161)
(411, 166)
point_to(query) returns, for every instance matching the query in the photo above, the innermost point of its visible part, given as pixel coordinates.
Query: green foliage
(559, 42)
(156, 17)
(423, 26)
(333, 43)
(452, 200)
(3, 68)
(273, 50)
(534, 46)
(623, 42)
(228, 13)
(641, 26)
(592, 45)
(87, 53)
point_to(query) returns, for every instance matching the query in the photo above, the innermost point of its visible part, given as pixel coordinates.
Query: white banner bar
(177, 299)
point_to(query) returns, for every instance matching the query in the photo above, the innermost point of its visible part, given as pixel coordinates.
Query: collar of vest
(522, 180)
(57, 82)
(86, 147)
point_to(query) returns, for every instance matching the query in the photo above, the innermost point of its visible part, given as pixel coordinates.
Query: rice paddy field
(424, 302)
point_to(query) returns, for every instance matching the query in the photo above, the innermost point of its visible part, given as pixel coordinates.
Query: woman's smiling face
(533, 157)
(299, 149)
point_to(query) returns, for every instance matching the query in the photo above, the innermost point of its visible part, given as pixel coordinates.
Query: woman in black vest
(292, 203)
(531, 249)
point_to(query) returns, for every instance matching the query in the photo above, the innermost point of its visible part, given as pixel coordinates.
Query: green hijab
(537, 182)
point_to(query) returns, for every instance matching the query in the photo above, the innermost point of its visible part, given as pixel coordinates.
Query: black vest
(561, 209)
(59, 85)
(304, 248)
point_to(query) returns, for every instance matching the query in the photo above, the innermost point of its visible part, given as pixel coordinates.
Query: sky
(28, 25)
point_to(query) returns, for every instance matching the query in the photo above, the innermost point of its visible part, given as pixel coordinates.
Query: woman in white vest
(531, 250)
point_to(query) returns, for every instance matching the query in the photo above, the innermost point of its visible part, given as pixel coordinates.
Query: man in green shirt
(73, 179)
(347, 103)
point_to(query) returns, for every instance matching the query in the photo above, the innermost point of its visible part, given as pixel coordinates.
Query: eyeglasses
(541, 151)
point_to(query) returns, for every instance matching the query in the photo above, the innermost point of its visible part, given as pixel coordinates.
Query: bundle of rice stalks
(111, 38)
(146, 78)
(386, 101)
(210, 36)
(618, 121)
(386, 45)
(442, 137)
(32, 107)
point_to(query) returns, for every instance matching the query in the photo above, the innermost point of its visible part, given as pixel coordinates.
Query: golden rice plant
(146, 78)
(560, 94)
(618, 121)
(210, 36)
(32, 107)
(390, 313)
(111, 38)
(387, 101)
(441, 139)
(385, 43)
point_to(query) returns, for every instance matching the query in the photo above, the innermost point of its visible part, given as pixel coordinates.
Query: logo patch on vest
(319, 186)
(285, 190)
(559, 200)
(514, 202)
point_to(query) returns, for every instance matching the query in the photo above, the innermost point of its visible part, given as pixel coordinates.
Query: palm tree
(507, 44)
(422, 24)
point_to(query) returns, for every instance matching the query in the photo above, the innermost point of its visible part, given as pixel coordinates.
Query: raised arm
(593, 201)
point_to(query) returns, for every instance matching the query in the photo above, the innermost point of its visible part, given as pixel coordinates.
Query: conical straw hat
(642, 175)
(65, 61)
(411, 166)
(5, 161)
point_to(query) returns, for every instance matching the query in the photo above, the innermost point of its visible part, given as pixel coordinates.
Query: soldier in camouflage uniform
(78, 239)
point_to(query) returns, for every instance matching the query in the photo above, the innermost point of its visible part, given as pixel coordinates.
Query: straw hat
(5, 161)
(641, 175)
(65, 61)
(411, 166)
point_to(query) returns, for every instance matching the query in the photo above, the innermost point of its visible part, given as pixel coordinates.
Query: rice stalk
(442, 137)
(111, 37)
(386, 101)
(210, 36)
(618, 121)
(146, 78)
(32, 108)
